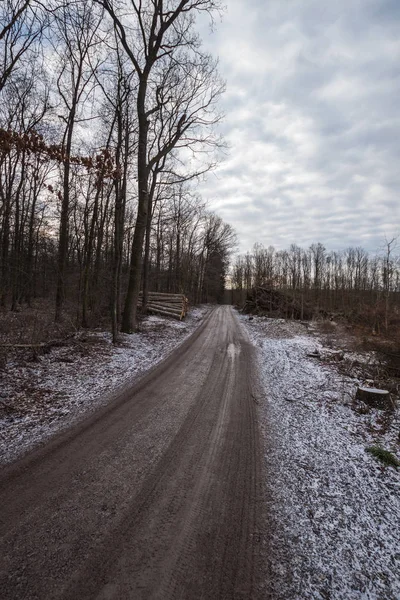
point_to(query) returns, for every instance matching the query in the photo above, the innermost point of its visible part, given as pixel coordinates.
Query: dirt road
(157, 496)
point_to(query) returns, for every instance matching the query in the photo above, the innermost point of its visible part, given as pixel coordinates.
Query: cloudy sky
(312, 120)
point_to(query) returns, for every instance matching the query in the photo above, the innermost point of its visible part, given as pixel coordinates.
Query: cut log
(164, 313)
(376, 398)
(167, 294)
(166, 305)
(163, 295)
(175, 306)
(177, 311)
(163, 299)
(164, 302)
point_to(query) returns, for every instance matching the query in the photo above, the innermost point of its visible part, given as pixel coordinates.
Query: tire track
(156, 498)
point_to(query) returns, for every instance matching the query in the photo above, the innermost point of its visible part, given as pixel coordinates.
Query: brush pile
(167, 305)
(267, 301)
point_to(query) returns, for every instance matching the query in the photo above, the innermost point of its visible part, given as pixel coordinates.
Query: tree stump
(376, 398)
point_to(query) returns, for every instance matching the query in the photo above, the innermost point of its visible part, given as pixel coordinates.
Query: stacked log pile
(167, 305)
(267, 301)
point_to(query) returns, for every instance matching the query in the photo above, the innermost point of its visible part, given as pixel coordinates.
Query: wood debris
(274, 303)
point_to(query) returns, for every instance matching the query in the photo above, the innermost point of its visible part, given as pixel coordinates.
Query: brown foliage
(32, 142)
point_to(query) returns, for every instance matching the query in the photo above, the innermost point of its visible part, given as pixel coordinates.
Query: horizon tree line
(353, 282)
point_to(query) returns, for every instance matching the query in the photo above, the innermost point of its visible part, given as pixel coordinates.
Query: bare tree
(162, 41)
(388, 271)
(119, 98)
(73, 41)
(21, 26)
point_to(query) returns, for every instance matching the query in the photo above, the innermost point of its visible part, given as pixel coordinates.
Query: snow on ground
(38, 399)
(333, 509)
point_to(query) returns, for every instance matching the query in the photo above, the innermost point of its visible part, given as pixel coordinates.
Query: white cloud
(312, 119)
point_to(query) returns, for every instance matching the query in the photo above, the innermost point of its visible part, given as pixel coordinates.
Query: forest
(107, 122)
(351, 284)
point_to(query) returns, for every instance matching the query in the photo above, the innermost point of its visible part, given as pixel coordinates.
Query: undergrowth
(388, 458)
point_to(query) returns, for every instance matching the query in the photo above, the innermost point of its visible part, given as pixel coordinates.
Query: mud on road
(158, 496)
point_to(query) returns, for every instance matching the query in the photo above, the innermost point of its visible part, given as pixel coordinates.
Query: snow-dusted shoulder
(333, 510)
(39, 399)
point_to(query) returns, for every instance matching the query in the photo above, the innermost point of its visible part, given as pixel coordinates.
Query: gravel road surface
(157, 496)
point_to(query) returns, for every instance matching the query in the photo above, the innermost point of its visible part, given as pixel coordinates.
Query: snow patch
(233, 351)
(333, 510)
(40, 399)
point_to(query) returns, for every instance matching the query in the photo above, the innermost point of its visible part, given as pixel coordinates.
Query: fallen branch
(38, 345)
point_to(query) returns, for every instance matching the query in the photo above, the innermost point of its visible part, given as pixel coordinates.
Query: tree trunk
(17, 241)
(119, 217)
(129, 318)
(146, 263)
(88, 259)
(29, 259)
(64, 218)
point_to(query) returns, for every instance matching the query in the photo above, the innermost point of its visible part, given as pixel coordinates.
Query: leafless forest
(107, 120)
(352, 284)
